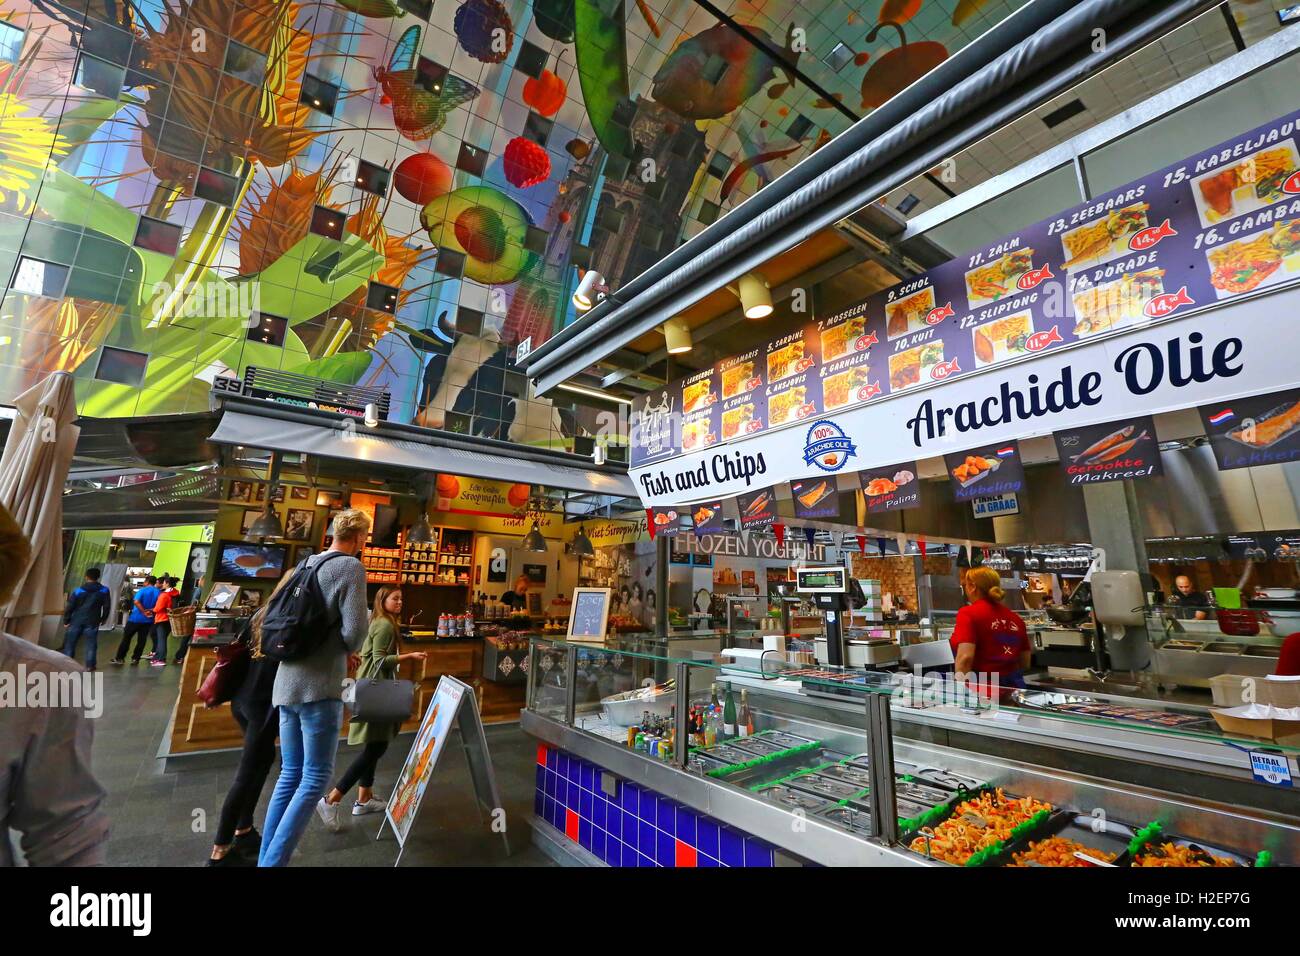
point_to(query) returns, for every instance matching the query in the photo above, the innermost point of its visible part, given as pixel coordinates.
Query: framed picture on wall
(298, 493)
(297, 524)
(536, 573)
(241, 491)
(301, 552)
(328, 499)
(250, 515)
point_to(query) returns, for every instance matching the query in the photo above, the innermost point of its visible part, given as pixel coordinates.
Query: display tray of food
(1076, 840)
(1067, 704)
(1176, 852)
(758, 745)
(981, 829)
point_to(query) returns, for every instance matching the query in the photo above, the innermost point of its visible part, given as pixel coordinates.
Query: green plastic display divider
(759, 761)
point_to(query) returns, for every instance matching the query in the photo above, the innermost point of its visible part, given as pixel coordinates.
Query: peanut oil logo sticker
(827, 446)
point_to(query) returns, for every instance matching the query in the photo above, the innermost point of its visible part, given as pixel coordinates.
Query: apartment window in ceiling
(216, 187)
(381, 297)
(372, 178)
(421, 8)
(799, 127)
(839, 57)
(11, 42)
(471, 159)
(449, 263)
(268, 329)
(244, 63)
(328, 222)
(319, 94)
(38, 277)
(122, 366)
(430, 75)
(714, 69)
(99, 76)
(157, 236)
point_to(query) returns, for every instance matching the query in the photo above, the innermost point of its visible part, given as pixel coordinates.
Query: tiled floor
(167, 819)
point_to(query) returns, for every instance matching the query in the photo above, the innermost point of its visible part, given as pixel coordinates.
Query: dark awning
(263, 425)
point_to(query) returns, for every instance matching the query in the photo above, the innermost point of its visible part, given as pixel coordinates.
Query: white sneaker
(373, 805)
(329, 813)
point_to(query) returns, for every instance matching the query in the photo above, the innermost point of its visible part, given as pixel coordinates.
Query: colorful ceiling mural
(393, 193)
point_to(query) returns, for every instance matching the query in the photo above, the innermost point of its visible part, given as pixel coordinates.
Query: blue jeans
(161, 631)
(73, 637)
(309, 741)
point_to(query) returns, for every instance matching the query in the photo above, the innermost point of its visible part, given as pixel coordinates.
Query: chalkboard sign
(589, 613)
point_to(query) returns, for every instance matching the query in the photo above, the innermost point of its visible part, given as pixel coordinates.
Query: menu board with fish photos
(1261, 430)
(990, 470)
(891, 488)
(815, 497)
(707, 518)
(668, 521)
(757, 509)
(1114, 451)
(1209, 227)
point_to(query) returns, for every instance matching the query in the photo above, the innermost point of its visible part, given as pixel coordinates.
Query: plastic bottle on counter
(442, 625)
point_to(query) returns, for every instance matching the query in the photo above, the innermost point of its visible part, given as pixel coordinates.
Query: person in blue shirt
(139, 623)
(88, 608)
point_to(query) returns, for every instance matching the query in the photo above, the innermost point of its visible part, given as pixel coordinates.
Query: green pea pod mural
(601, 45)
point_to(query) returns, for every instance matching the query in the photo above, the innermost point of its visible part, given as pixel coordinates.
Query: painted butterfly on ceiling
(420, 101)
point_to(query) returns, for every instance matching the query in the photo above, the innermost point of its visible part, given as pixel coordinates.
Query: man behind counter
(1191, 604)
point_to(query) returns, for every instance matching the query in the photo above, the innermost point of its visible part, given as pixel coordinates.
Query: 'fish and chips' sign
(1115, 451)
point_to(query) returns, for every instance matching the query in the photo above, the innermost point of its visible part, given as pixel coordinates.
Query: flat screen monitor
(237, 560)
(821, 580)
(384, 533)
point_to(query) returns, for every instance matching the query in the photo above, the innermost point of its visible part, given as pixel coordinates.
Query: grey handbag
(375, 700)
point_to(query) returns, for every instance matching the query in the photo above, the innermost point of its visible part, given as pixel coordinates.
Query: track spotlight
(755, 296)
(677, 336)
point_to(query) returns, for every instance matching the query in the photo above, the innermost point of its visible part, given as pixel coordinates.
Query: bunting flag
(810, 534)
(862, 544)
(921, 544)
(880, 543)
(780, 534)
(650, 522)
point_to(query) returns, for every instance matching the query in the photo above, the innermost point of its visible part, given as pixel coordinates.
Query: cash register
(834, 593)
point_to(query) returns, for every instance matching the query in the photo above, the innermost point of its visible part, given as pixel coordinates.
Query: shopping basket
(182, 620)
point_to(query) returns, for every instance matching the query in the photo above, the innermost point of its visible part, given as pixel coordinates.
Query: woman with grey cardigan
(379, 659)
(309, 693)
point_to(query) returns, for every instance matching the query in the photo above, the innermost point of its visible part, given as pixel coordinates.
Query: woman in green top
(379, 659)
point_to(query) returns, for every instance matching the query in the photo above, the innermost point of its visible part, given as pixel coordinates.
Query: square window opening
(38, 277)
(328, 222)
(157, 236)
(320, 95)
(122, 366)
(382, 298)
(372, 178)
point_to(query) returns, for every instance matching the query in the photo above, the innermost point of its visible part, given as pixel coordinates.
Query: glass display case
(654, 759)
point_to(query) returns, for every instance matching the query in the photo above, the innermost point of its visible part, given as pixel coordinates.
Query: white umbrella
(33, 469)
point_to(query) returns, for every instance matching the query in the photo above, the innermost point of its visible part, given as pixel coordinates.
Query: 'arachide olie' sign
(1234, 350)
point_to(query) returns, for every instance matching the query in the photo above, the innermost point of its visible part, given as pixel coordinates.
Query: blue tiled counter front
(635, 826)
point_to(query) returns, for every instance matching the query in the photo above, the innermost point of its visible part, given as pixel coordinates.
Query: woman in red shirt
(989, 638)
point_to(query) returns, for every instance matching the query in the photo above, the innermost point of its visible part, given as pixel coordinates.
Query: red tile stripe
(686, 854)
(571, 825)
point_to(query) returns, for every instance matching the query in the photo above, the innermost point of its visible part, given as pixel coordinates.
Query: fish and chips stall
(1095, 408)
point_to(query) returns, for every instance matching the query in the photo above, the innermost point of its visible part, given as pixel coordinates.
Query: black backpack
(298, 618)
